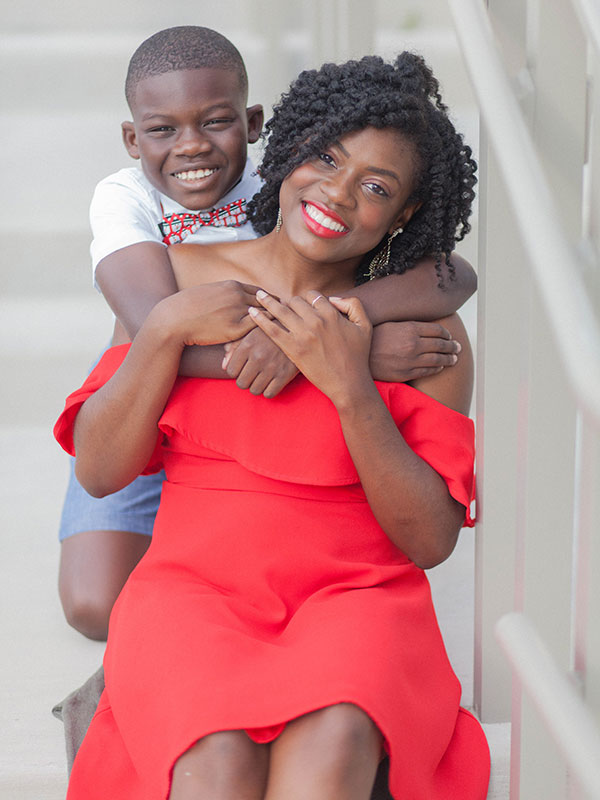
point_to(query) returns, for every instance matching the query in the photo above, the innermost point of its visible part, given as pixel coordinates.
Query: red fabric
(106, 367)
(269, 591)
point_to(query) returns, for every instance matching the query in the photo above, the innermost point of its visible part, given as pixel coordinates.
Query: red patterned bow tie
(175, 227)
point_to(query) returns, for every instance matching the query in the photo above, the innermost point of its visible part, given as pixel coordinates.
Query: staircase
(62, 68)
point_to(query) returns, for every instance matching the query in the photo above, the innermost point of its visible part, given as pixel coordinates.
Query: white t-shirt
(127, 209)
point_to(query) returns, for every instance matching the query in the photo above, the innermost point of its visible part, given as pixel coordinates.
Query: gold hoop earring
(381, 259)
(279, 222)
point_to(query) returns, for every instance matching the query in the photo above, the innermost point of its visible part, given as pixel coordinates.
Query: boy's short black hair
(183, 47)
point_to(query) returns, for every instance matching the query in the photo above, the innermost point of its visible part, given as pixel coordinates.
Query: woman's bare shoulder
(453, 386)
(195, 264)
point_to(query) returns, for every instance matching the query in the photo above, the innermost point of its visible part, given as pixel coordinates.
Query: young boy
(187, 91)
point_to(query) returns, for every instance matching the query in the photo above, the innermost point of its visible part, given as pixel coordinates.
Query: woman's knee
(345, 732)
(226, 764)
(222, 747)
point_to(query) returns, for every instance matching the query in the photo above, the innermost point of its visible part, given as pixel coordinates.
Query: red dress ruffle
(269, 591)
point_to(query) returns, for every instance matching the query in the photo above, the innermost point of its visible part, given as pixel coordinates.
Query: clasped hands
(263, 354)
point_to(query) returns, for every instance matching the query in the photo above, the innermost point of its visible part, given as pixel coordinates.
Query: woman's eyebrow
(381, 171)
(378, 170)
(342, 148)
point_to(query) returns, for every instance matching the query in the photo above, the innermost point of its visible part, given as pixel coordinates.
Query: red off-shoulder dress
(269, 591)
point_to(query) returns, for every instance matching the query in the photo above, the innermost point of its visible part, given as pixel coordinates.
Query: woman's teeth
(194, 174)
(323, 219)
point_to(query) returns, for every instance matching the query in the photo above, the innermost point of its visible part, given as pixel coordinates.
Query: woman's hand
(328, 339)
(212, 313)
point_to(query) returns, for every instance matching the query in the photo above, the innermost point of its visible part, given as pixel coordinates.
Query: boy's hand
(257, 364)
(405, 351)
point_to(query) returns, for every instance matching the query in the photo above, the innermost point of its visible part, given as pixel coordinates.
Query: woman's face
(341, 203)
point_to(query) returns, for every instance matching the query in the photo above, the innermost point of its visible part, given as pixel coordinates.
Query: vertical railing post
(592, 177)
(590, 457)
(559, 73)
(500, 341)
(557, 57)
(587, 628)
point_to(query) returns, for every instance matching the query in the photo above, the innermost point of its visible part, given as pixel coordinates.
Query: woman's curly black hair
(323, 105)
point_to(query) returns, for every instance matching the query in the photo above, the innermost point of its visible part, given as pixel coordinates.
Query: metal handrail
(553, 260)
(556, 701)
(588, 12)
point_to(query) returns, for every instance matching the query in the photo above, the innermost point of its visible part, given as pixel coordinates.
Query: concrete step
(50, 178)
(46, 347)
(72, 17)
(45, 263)
(498, 737)
(53, 71)
(42, 659)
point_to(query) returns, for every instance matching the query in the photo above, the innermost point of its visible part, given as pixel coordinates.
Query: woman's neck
(288, 273)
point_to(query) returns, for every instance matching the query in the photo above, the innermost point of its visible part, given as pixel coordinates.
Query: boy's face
(190, 131)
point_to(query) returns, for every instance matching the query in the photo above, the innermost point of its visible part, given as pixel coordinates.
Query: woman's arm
(409, 499)
(416, 295)
(133, 280)
(116, 429)
(401, 349)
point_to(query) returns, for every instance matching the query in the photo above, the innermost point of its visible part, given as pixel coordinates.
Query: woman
(279, 636)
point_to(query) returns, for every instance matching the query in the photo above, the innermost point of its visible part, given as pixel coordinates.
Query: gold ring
(318, 297)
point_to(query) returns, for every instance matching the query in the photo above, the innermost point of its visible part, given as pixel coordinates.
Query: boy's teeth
(322, 219)
(194, 174)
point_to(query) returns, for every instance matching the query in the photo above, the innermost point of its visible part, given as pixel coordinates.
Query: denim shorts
(132, 509)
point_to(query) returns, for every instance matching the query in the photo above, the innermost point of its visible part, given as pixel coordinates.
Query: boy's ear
(255, 116)
(404, 216)
(130, 139)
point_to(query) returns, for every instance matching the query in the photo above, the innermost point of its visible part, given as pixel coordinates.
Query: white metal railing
(556, 700)
(589, 15)
(539, 441)
(553, 261)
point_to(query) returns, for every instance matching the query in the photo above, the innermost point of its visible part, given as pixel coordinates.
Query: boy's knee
(94, 566)
(87, 613)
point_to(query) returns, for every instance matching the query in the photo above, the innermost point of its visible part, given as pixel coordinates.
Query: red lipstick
(315, 214)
